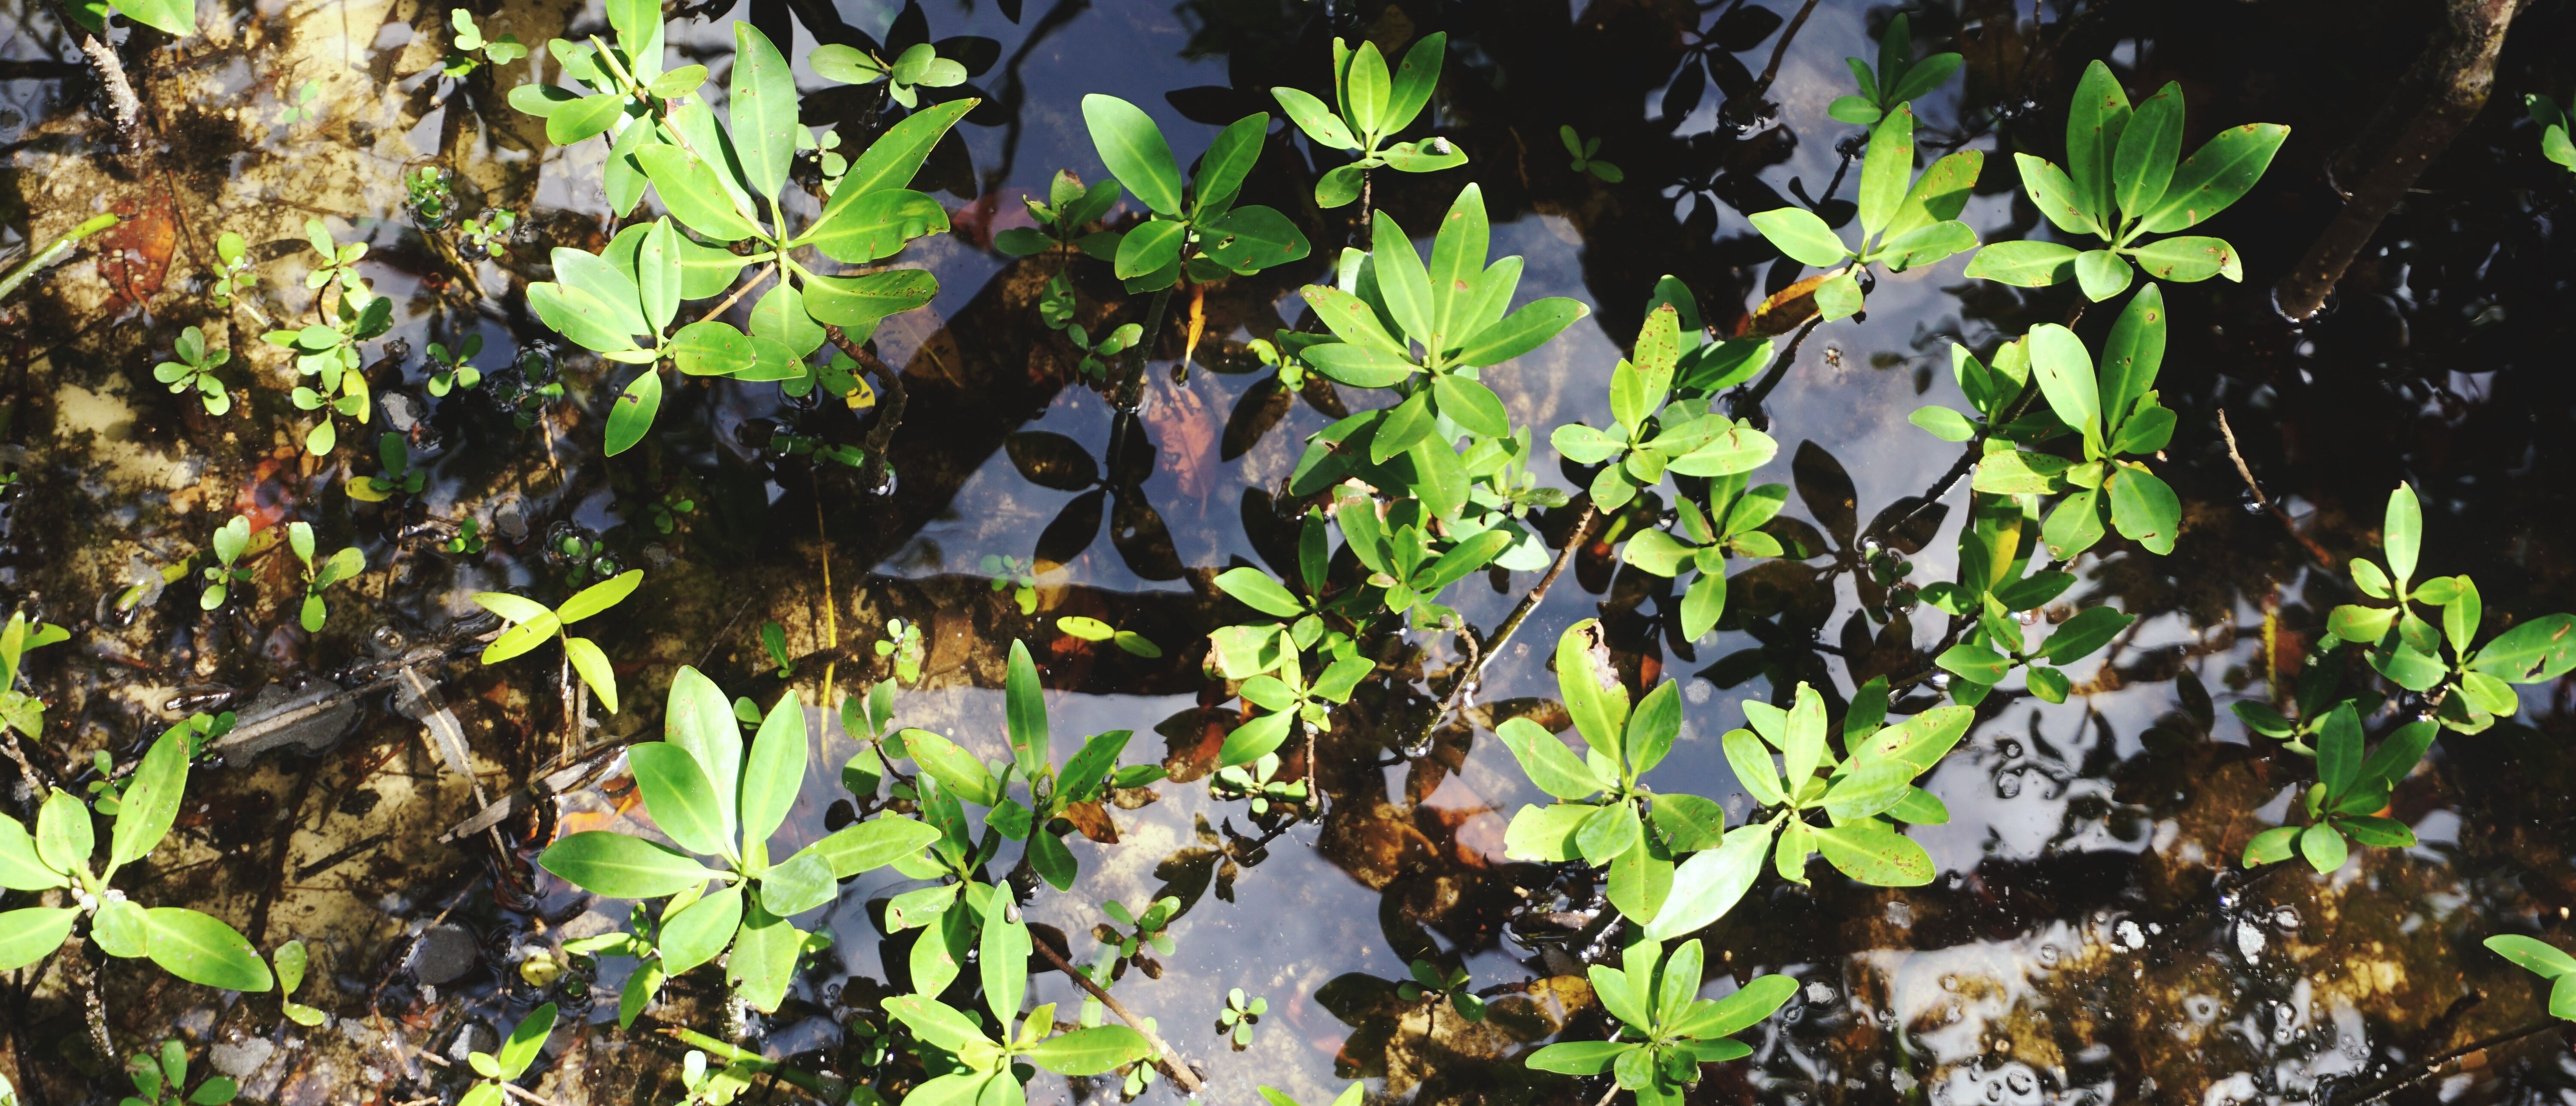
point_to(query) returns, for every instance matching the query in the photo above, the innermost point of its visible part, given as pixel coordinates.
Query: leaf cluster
(1199, 229)
(2350, 795)
(1897, 80)
(534, 622)
(1905, 220)
(159, 1080)
(20, 710)
(195, 371)
(1666, 1031)
(1371, 105)
(518, 1052)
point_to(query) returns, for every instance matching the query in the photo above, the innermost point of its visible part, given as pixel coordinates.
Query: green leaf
(177, 18)
(2095, 120)
(1593, 694)
(1150, 247)
(21, 869)
(2189, 258)
(776, 770)
(2133, 354)
(1255, 589)
(630, 416)
(763, 963)
(1939, 195)
(1228, 160)
(1926, 245)
(2024, 264)
(1251, 238)
(2102, 274)
(30, 934)
(64, 837)
(2533, 954)
(935, 1022)
(623, 867)
(1545, 833)
(2144, 162)
(202, 949)
(1874, 854)
(1457, 254)
(1134, 150)
(600, 596)
(1740, 449)
(2074, 526)
(1609, 833)
(2090, 629)
(701, 930)
(526, 1040)
(1402, 282)
(1025, 713)
(857, 304)
(1869, 790)
(1751, 760)
(1711, 882)
(1254, 739)
(1549, 764)
(2271, 846)
(1364, 89)
(954, 768)
(1473, 406)
(1798, 233)
(762, 99)
(800, 883)
(2215, 176)
(1802, 744)
(2145, 509)
(1003, 957)
(581, 316)
(1885, 171)
(875, 224)
(1317, 120)
(2325, 849)
(2065, 372)
(896, 156)
(1579, 1057)
(1090, 1051)
(1519, 332)
(682, 801)
(1943, 423)
(150, 803)
(2537, 651)
(872, 844)
(694, 194)
(1652, 728)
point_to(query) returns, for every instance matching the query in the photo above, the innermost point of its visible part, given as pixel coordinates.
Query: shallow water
(2091, 938)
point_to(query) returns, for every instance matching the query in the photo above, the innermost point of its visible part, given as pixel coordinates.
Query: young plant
(329, 352)
(1905, 221)
(450, 371)
(1430, 982)
(1239, 1015)
(1098, 356)
(1371, 106)
(177, 18)
(2350, 792)
(1582, 150)
(535, 622)
(290, 960)
(429, 194)
(300, 109)
(1665, 1030)
(714, 801)
(2547, 960)
(1201, 229)
(468, 540)
(526, 1040)
(469, 38)
(487, 235)
(1017, 575)
(1259, 781)
(1858, 795)
(20, 710)
(2118, 416)
(1070, 207)
(1150, 929)
(2552, 121)
(195, 371)
(2469, 691)
(398, 477)
(984, 1069)
(1655, 431)
(343, 565)
(918, 67)
(2122, 184)
(1086, 628)
(195, 947)
(159, 1081)
(1897, 80)
(233, 277)
(903, 643)
(231, 541)
(1041, 821)
(1729, 527)
(773, 641)
(718, 1087)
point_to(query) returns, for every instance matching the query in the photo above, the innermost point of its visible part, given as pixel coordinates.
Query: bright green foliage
(714, 800)
(717, 178)
(1430, 982)
(1996, 587)
(1203, 230)
(2552, 121)
(2117, 414)
(195, 371)
(2471, 688)
(450, 371)
(290, 960)
(1150, 929)
(1905, 220)
(2350, 792)
(535, 622)
(175, 17)
(19, 710)
(343, 565)
(713, 1088)
(918, 67)
(2547, 960)
(302, 109)
(1259, 782)
(1666, 1031)
(1096, 357)
(232, 540)
(1040, 822)
(428, 194)
(1585, 151)
(984, 1066)
(1070, 206)
(160, 1079)
(1369, 107)
(1017, 575)
(469, 38)
(233, 275)
(1729, 527)
(1897, 81)
(1271, 659)
(1352, 1095)
(480, 236)
(1087, 628)
(1655, 431)
(1239, 1016)
(328, 352)
(773, 641)
(398, 478)
(903, 643)
(526, 1040)
(1994, 396)
(195, 947)
(2122, 183)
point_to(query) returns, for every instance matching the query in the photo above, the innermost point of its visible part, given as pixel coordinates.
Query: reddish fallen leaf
(134, 255)
(1783, 312)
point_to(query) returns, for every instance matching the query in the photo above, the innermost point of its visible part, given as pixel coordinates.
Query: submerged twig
(2265, 501)
(1167, 1058)
(2433, 1065)
(54, 251)
(890, 404)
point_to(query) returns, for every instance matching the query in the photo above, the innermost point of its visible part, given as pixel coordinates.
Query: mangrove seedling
(342, 565)
(715, 802)
(20, 710)
(1070, 206)
(195, 947)
(1237, 1019)
(160, 1080)
(2552, 121)
(989, 1072)
(773, 641)
(1201, 228)
(903, 643)
(233, 276)
(398, 477)
(918, 67)
(469, 38)
(535, 622)
(195, 371)
(2121, 183)
(1087, 628)
(1905, 220)
(2350, 794)
(301, 109)
(1015, 574)
(290, 960)
(231, 540)
(2118, 415)
(1258, 781)
(1430, 982)
(1729, 527)
(1371, 106)
(2547, 960)
(1897, 80)
(1052, 791)
(449, 371)
(1665, 1030)
(517, 1053)
(1583, 151)
(1097, 356)
(1655, 431)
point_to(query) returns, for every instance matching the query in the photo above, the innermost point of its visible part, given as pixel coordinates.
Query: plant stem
(121, 101)
(54, 251)
(1166, 1057)
(1479, 654)
(2265, 501)
(890, 404)
(757, 279)
(1131, 388)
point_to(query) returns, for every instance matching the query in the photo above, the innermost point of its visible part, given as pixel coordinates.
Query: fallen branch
(54, 251)
(1165, 1056)
(2437, 98)
(2265, 501)
(890, 404)
(2433, 1065)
